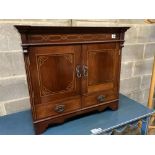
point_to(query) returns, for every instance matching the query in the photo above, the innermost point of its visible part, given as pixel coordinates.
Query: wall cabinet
(71, 70)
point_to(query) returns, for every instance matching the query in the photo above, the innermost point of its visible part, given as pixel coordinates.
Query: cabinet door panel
(53, 72)
(103, 68)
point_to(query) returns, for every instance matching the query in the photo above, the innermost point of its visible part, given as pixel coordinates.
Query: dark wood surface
(71, 71)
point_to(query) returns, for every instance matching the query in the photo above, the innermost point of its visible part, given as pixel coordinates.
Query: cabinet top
(44, 35)
(51, 29)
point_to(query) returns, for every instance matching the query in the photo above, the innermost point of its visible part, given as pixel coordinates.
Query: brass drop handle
(81, 71)
(85, 70)
(78, 71)
(101, 98)
(60, 108)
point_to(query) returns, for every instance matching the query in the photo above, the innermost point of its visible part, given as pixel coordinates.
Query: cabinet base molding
(42, 125)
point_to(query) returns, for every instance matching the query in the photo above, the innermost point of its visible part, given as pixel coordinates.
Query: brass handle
(101, 98)
(78, 71)
(85, 70)
(60, 108)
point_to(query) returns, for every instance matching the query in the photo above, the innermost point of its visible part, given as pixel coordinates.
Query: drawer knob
(101, 98)
(60, 108)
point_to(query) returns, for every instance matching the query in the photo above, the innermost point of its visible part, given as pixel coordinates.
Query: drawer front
(98, 98)
(57, 108)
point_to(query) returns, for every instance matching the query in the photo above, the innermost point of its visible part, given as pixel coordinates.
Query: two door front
(71, 77)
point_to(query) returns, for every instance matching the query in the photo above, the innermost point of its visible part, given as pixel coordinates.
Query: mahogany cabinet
(71, 70)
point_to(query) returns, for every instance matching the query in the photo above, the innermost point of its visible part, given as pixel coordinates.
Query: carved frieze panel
(38, 38)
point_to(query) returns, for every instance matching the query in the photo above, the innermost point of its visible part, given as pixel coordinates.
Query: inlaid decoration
(45, 91)
(99, 59)
(42, 59)
(69, 37)
(56, 73)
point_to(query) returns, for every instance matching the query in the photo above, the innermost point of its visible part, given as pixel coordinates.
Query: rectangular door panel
(103, 68)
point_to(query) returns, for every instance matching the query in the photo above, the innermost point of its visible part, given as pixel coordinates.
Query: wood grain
(71, 70)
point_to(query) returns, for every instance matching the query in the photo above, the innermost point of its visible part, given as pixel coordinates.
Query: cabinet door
(53, 72)
(101, 63)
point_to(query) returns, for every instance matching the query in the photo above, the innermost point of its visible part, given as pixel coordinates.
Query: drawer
(98, 98)
(57, 108)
